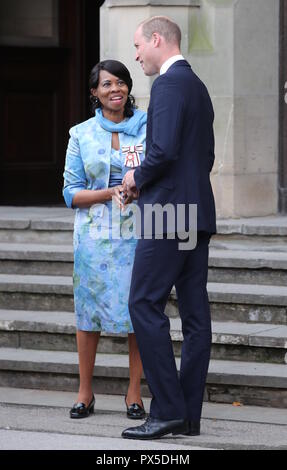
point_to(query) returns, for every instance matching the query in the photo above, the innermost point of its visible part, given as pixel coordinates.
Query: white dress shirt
(169, 62)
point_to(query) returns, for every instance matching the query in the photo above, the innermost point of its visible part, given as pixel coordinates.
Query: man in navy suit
(176, 171)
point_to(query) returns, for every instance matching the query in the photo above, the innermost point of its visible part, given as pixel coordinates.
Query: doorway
(47, 48)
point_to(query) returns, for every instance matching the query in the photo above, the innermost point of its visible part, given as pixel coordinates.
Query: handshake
(127, 192)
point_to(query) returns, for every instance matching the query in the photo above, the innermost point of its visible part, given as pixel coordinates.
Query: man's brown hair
(163, 26)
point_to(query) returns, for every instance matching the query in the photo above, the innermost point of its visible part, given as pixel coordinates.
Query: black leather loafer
(135, 411)
(193, 428)
(80, 410)
(154, 428)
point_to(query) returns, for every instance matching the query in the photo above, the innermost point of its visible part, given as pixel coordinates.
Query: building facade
(237, 47)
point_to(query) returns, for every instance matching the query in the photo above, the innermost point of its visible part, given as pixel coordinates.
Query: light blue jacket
(88, 156)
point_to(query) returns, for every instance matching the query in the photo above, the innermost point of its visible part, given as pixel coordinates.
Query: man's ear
(156, 39)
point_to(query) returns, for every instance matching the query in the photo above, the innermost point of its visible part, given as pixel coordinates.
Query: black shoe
(80, 410)
(135, 411)
(154, 428)
(193, 428)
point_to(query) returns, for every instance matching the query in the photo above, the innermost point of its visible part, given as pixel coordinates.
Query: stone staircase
(247, 292)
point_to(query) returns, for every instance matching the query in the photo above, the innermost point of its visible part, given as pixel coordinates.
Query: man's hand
(130, 191)
(129, 184)
(133, 194)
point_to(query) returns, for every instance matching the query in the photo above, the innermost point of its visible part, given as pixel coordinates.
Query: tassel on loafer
(80, 410)
(135, 411)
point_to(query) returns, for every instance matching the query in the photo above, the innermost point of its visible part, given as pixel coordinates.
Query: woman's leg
(136, 369)
(87, 342)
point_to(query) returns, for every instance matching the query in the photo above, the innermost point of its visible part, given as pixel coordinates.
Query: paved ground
(33, 419)
(27, 440)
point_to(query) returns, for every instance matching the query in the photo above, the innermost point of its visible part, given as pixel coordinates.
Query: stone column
(283, 110)
(237, 56)
(233, 45)
(119, 20)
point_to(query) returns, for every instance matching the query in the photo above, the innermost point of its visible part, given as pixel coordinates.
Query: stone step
(243, 303)
(35, 292)
(228, 381)
(36, 252)
(266, 234)
(249, 260)
(56, 331)
(36, 258)
(234, 266)
(248, 243)
(229, 302)
(36, 225)
(247, 267)
(55, 225)
(271, 226)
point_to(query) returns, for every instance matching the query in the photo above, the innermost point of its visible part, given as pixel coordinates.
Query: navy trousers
(159, 265)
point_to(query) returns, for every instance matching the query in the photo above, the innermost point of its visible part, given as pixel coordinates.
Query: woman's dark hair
(119, 70)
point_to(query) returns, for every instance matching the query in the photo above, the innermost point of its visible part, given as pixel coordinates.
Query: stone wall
(233, 45)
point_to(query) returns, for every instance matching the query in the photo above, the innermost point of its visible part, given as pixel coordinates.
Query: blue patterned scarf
(129, 126)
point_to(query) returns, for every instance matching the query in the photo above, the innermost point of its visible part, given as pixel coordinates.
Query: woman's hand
(121, 198)
(117, 195)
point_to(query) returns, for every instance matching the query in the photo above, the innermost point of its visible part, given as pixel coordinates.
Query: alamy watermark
(153, 221)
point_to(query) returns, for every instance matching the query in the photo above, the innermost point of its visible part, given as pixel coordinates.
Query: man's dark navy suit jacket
(180, 146)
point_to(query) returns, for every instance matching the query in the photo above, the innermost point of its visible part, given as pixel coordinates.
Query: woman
(94, 168)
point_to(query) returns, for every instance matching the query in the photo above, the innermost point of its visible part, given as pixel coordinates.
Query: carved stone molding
(137, 3)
